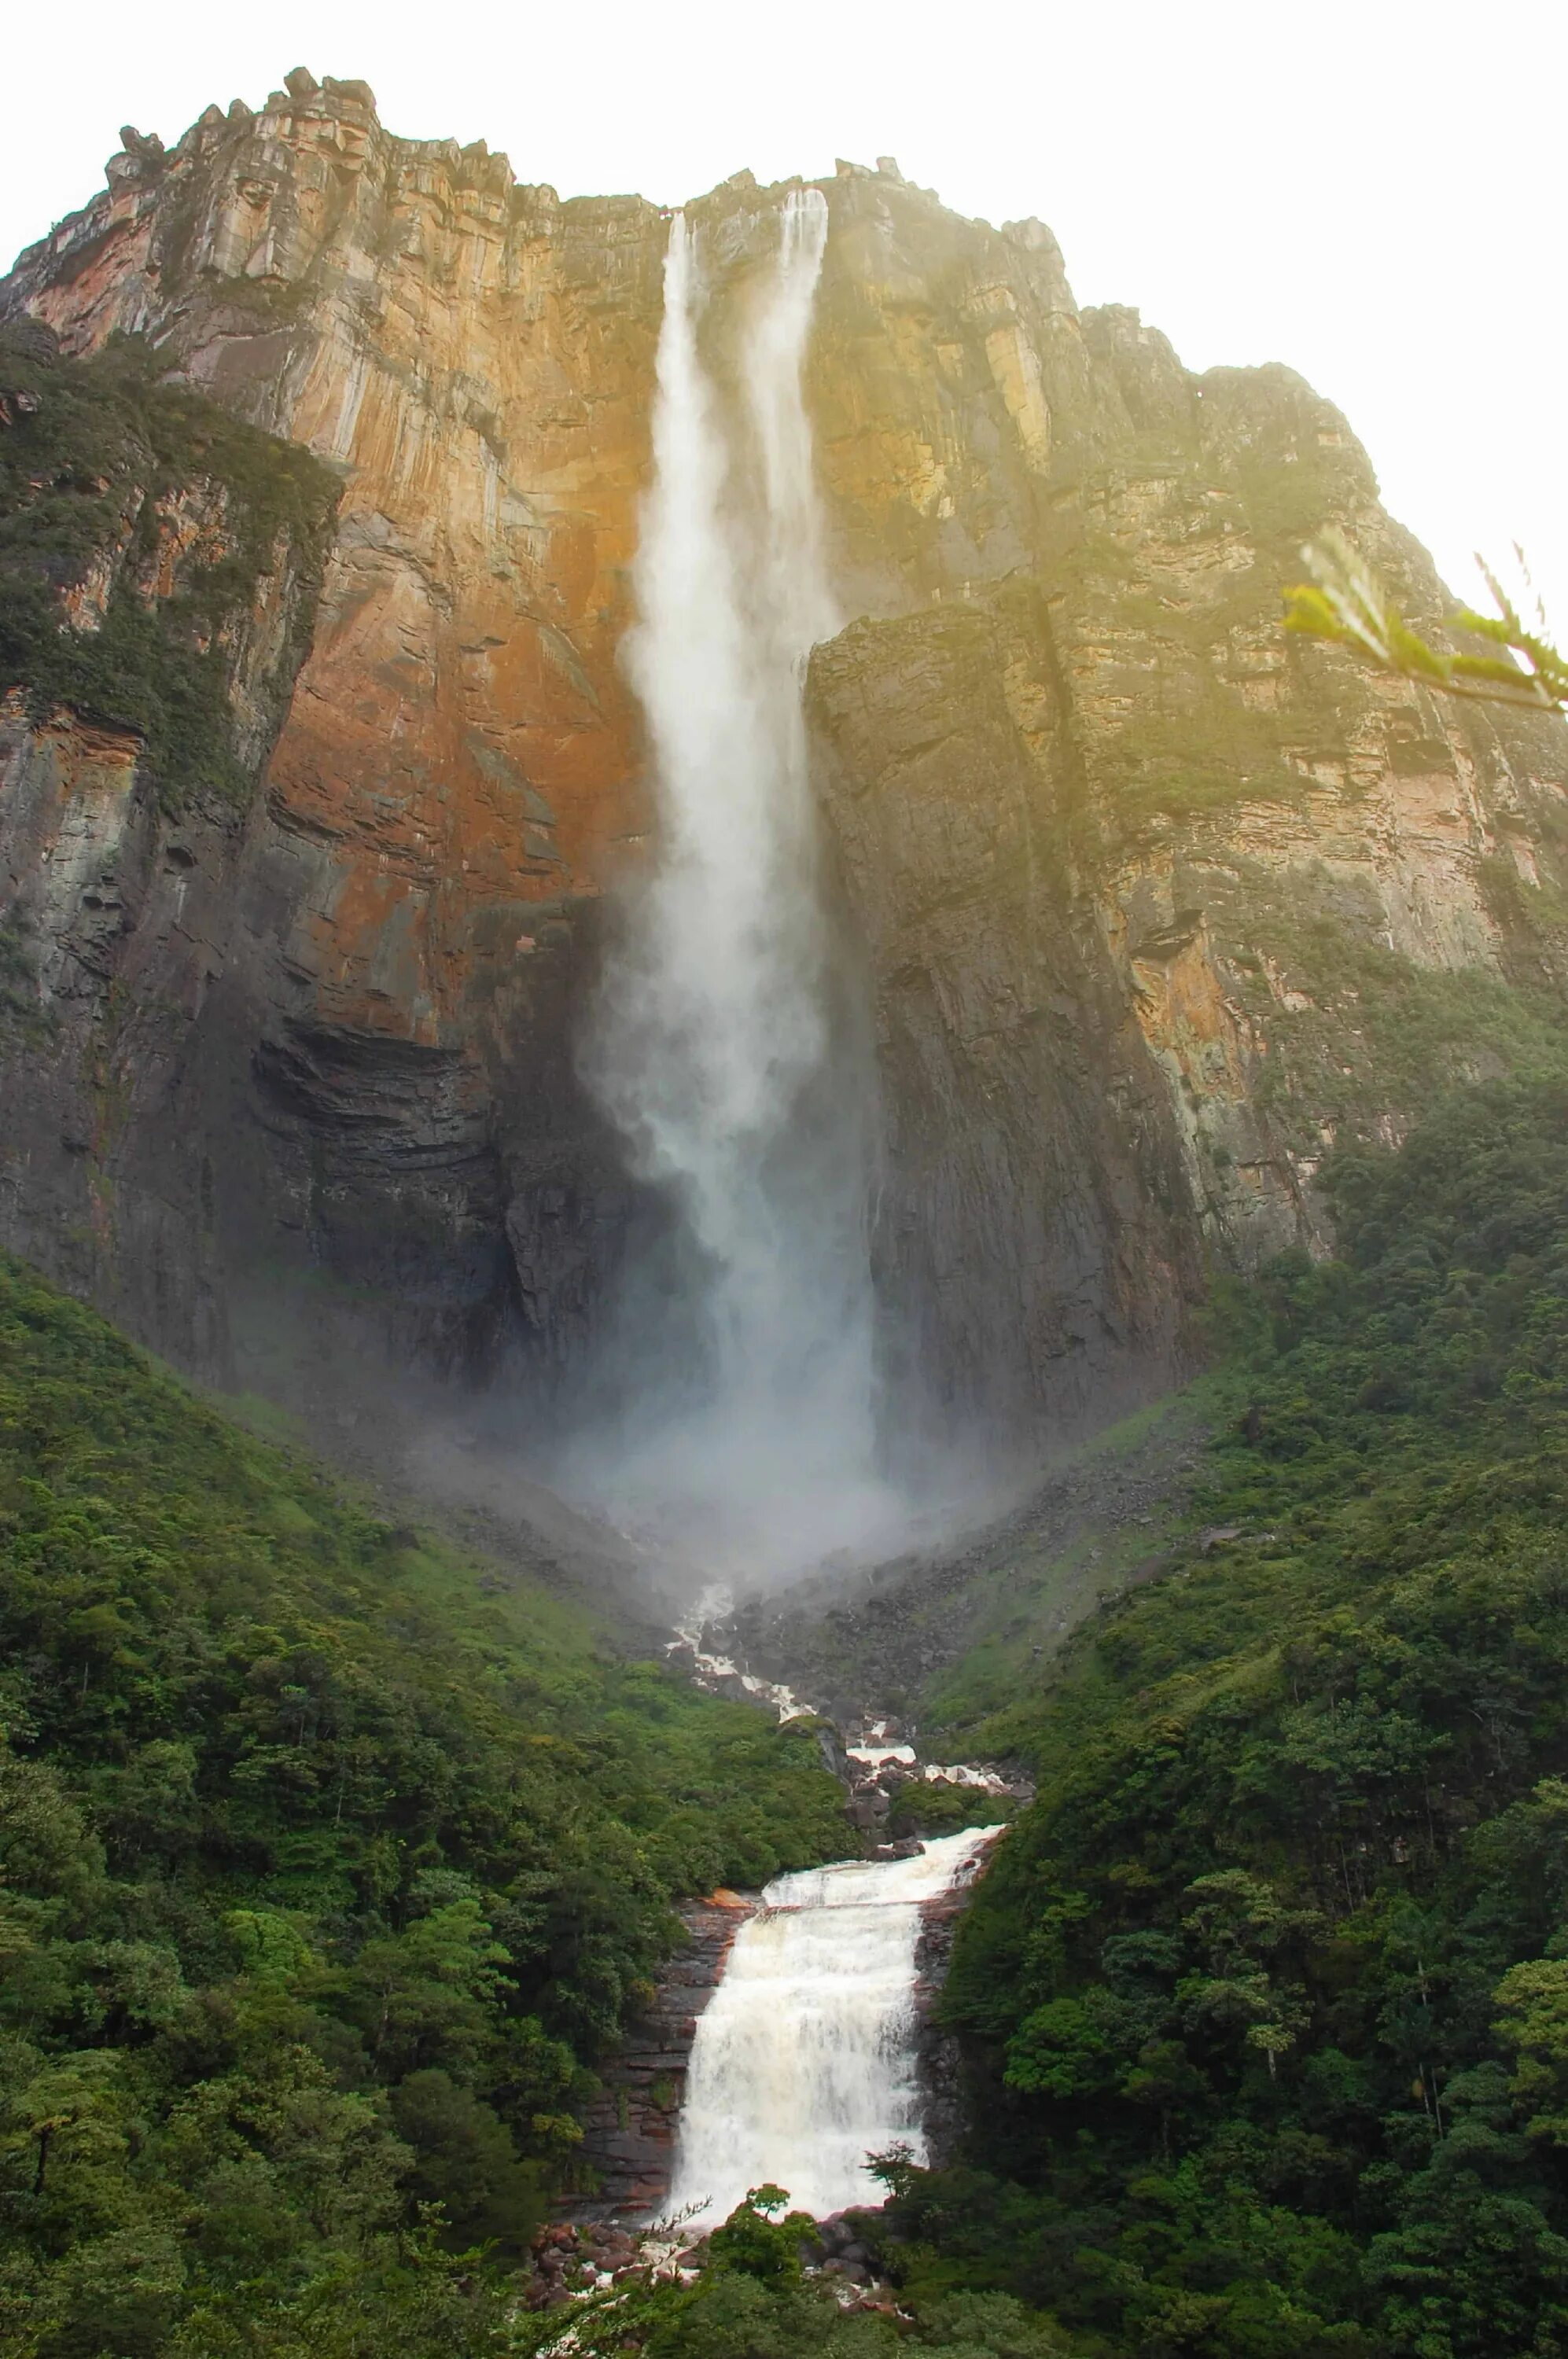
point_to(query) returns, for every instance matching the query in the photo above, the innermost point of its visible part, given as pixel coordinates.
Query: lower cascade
(804, 2061)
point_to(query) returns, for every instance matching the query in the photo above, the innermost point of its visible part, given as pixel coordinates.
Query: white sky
(1372, 192)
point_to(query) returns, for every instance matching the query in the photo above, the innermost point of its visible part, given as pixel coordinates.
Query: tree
(1533, 1996)
(1346, 601)
(465, 2160)
(430, 1989)
(758, 2244)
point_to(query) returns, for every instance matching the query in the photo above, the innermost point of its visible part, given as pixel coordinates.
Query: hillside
(1264, 1995)
(333, 1860)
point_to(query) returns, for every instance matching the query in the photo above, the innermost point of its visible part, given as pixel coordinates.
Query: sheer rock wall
(1150, 902)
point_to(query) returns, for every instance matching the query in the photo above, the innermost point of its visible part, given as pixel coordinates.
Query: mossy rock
(94, 449)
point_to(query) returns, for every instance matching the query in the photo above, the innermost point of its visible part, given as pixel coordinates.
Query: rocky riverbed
(890, 1793)
(572, 2261)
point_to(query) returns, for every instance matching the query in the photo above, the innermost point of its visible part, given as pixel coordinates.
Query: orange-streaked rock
(1112, 849)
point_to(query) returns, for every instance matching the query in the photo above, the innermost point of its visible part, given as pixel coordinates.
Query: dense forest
(1268, 1994)
(331, 1862)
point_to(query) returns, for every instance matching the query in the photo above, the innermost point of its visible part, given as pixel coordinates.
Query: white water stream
(751, 1448)
(804, 2058)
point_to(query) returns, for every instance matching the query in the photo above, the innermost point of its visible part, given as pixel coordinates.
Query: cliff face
(1156, 900)
(1152, 902)
(412, 907)
(185, 552)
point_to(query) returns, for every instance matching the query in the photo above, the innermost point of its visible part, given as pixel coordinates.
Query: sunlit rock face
(460, 760)
(1147, 902)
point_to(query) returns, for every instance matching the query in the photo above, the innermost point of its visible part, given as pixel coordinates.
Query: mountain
(322, 456)
(1214, 992)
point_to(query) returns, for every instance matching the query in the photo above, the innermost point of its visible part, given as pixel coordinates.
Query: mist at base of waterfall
(744, 1504)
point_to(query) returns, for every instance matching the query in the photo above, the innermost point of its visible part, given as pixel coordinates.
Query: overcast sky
(1372, 192)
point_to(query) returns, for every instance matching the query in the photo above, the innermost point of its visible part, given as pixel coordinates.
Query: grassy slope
(942, 1639)
(1126, 1499)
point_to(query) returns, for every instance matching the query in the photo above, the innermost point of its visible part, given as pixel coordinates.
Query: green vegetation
(1207, 757)
(733, 2313)
(326, 1872)
(1268, 1994)
(1346, 604)
(750, 2302)
(1370, 1029)
(1032, 1584)
(929, 1809)
(1187, 745)
(1286, 495)
(93, 455)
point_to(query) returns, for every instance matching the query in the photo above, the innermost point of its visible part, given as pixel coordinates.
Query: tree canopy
(330, 1863)
(1266, 1993)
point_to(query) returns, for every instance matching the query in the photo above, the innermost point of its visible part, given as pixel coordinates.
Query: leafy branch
(1346, 601)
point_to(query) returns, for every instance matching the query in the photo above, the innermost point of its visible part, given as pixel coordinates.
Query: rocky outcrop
(1152, 904)
(415, 904)
(160, 571)
(1034, 1240)
(939, 2057)
(1156, 901)
(628, 2141)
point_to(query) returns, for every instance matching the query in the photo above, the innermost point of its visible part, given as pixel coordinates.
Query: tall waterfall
(712, 1050)
(803, 2061)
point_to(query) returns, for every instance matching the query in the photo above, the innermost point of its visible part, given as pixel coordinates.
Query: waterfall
(712, 1047)
(804, 2061)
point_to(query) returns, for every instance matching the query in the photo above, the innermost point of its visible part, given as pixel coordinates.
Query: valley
(782, 1306)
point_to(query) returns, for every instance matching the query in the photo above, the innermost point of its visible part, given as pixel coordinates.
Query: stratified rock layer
(1151, 903)
(628, 2132)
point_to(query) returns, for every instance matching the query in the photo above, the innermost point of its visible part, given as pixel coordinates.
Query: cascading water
(805, 2061)
(712, 1048)
(751, 1447)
